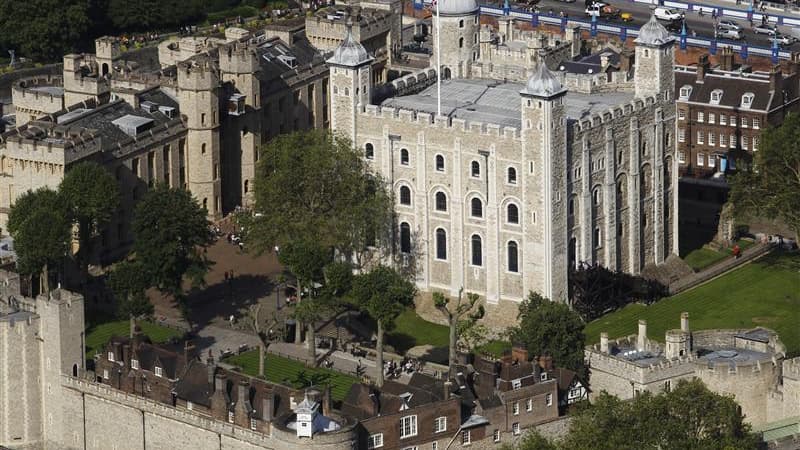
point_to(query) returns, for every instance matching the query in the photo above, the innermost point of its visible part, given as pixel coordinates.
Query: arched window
(461, 23)
(405, 195)
(404, 158)
(405, 237)
(513, 257)
(512, 214)
(596, 196)
(477, 254)
(476, 207)
(369, 151)
(476, 169)
(441, 244)
(205, 203)
(246, 186)
(203, 148)
(461, 42)
(441, 201)
(647, 181)
(512, 176)
(571, 207)
(439, 163)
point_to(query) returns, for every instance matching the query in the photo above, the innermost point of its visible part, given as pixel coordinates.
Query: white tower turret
(458, 25)
(351, 81)
(655, 59)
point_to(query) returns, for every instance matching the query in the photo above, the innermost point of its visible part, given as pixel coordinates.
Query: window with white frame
(375, 441)
(712, 138)
(189, 406)
(230, 416)
(743, 122)
(723, 119)
(701, 137)
(543, 376)
(747, 99)
(701, 159)
(105, 374)
(111, 356)
(712, 118)
(682, 157)
(516, 384)
(549, 399)
(515, 408)
(745, 141)
(440, 424)
(681, 114)
(701, 116)
(529, 405)
(755, 142)
(681, 135)
(732, 142)
(712, 161)
(515, 428)
(466, 437)
(253, 423)
(716, 96)
(723, 140)
(159, 372)
(756, 123)
(496, 435)
(685, 92)
(408, 426)
(134, 363)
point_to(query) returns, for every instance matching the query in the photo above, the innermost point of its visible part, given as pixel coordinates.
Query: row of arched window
(476, 205)
(476, 248)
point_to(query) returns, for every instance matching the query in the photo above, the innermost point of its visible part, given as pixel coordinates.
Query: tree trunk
(310, 340)
(298, 333)
(84, 231)
(261, 351)
(452, 358)
(379, 348)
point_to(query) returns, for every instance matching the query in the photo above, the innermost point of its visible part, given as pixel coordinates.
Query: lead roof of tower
(457, 7)
(653, 33)
(543, 83)
(350, 52)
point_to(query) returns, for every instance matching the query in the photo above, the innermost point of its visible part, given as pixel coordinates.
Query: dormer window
(111, 356)
(159, 372)
(685, 92)
(716, 96)
(747, 99)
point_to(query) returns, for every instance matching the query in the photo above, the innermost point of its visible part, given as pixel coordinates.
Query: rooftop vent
(149, 107)
(405, 397)
(290, 61)
(72, 115)
(168, 111)
(133, 125)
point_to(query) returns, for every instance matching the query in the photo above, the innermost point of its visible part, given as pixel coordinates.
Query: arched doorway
(447, 73)
(104, 69)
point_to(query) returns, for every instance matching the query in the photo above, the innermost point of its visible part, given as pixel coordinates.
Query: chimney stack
(775, 78)
(685, 322)
(519, 353)
(703, 66)
(726, 59)
(447, 386)
(626, 60)
(211, 367)
(641, 341)
(546, 362)
(220, 383)
(266, 406)
(604, 342)
(326, 401)
(244, 393)
(188, 351)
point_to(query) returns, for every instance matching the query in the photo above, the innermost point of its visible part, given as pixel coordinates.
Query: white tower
(458, 24)
(306, 413)
(351, 83)
(655, 59)
(544, 184)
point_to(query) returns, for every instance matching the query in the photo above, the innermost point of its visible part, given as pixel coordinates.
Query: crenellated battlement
(414, 82)
(31, 87)
(238, 58)
(197, 75)
(424, 119)
(791, 368)
(625, 110)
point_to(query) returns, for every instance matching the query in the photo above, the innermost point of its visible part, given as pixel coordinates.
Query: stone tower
(106, 52)
(543, 181)
(351, 83)
(198, 85)
(679, 342)
(459, 27)
(655, 60)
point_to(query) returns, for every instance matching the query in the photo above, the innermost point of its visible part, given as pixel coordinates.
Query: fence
(719, 268)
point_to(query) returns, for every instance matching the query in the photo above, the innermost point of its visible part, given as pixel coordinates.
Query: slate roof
(733, 86)
(590, 64)
(543, 83)
(193, 384)
(350, 52)
(653, 33)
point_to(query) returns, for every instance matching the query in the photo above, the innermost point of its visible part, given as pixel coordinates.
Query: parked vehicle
(675, 26)
(734, 35)
(728, 25)
(668, 14)
(782, 39)
(767, 29)
(602, 10)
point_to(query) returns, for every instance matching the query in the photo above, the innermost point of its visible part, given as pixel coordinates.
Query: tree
(596, 290)
(690, 416)
(531, 441)
(41, 233)
(550, 328)
(306, 261)
(770, 187)
(324, 193)
(384, 294)
(90, 196)
(51, 28)
(170, 232)
(454, 314)
(129, 282)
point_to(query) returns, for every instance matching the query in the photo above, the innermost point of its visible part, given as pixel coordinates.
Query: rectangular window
(723, 119)
(111, 356)
(701, 137)
(744, 122)
(516, 384)
(723, 140)
(549, 399)
(732, 143)
(496, 435)
(515, 428)
(712, 138)
(745, 141)
(253, 424)
(515, 408)
(375, 441)
(105, 374)
(434, 445)
(682, 157)
(440, 424)
(712, 161)
(681, 135)
(189, 406)
(159, 371)
(712, 118)
(681, 114)
(756, 123)
(466, 437)
(408, 427)
(755, 142)
(701, 159)
(700, 116)
(135, 363)
(230, 416)
(529, 405)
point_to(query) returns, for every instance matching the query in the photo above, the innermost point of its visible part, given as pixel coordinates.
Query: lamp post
(392, 139)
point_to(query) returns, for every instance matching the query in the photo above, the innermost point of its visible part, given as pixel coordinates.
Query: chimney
(266, 408)
(546, 362)
(447, 386)
(703, 66)
(685, 322)
(519, 353)
(244, 393)
(132, 320)
(775, 78)
(726, 59)
(376, 405)
(211, 367)
(220, 383)
(188, 351)
(604, 342)
(604, 62)
(641, 341)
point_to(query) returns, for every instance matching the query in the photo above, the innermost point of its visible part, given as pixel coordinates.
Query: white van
(668, 14)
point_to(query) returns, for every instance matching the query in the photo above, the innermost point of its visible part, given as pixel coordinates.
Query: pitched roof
(734, 86)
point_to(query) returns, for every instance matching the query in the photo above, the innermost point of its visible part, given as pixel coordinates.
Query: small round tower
(458, 26)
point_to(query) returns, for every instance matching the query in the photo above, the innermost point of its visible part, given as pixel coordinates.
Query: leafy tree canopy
(595, 290)
(129, 281)
(383, 293)
(550, 328)
(43, 30)
(770, 187)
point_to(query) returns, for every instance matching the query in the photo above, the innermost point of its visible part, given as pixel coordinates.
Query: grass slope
(285, 371)
(98, 335)
(412, 330)
(764, 293)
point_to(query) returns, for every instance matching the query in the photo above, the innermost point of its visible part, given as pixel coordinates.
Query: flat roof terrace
(497, 102)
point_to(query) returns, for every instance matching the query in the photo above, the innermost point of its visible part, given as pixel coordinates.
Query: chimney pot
(641, 341)
(685, 322)
(604, 342)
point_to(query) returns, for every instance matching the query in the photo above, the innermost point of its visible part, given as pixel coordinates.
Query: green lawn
(705, 256)
(98, 335)
(494, 348)
(412, 330)
(765, 293)
(285, 371)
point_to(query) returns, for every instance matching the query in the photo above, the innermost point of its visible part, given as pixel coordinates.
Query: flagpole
(438, 62)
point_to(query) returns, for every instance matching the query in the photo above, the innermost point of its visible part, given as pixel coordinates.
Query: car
(728, 25)
(667, 14)
(734, 35)
(767, 29)
(602, 10)
(675, 26)
(782, 39)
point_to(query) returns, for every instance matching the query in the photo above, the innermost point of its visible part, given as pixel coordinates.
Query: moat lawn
(98, 335)
(412, 330)
(763, 293)
(293, 373)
